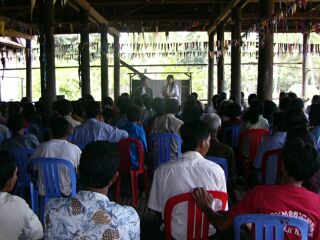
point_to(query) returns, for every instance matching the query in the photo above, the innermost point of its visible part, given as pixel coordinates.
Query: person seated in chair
(59, 147)
(19, 139)
(136, 131)
(90, 214)
(192, 170)
(95, 129)
(300, 161)
(65, 109)
(17, 220)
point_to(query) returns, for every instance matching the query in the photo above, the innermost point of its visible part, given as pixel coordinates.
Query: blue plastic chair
(22, 156)
(161, 147)
(233, 131)
(49, 168)
(222, 162)
(269, 227)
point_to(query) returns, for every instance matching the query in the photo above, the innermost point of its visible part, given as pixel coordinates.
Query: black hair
(253, 113)
(278, 122)
(125, 95)
(301, 159)
(269, 108)
(16, 122)
(251, 98)
(28, 110)
(7, 167)
(195, 95)
(295, 117)
(192, 110)
(92, 109)
(223, 95)
(298, 103)
(107, 115)
(172, 106)
(25, 100)
(285, 103)
(158, 105)
(232, 110)
(146, 100)
(60, 127)
(64, 107)
(78, 108)
(292, 95)
(108, 102)
(134, 113)
(122, 103)
(215, 101)
(88, 97)
(192, 133)
(98, 164)
(234, 98)
(315, 99)
(314, 115)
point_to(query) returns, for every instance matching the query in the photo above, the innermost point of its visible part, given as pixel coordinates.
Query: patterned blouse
(90, 216)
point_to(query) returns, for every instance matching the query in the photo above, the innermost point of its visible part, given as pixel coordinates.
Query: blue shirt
(273, 142)
(136, 131)
(90, 215)
(315, 132)
(93, 130)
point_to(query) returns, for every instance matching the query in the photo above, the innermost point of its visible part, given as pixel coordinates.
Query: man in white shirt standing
(177, 177)
(59, 147)
(17, 220)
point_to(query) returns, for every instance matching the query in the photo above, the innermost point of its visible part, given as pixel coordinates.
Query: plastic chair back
(22, 156)
(266, 156)
(222, 162)
(255, 137)
(270, 227)
(49, 168)
(161, 146)
(124, 152)
(232, 131)
(196, 221)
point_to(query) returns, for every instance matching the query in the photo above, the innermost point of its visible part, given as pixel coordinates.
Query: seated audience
(295, 117)
(65, 109)
(192, 170)
(19, 139)
(315, 100)
(95, 129)
(269, 109)
(90, 214)
(301, 161)
(33, 123)
(59, 147)
(253, 119)
(17, 220)
(122, 104)
(217, 148)
(136, 131)
(192, 110)
(275, 141)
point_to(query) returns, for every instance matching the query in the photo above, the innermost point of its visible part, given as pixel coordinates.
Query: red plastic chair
(255, 137)
(196, 219)
(125, 168)
(266, 156)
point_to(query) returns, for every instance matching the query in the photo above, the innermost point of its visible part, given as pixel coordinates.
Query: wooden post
(48, 58)
(104, 62)
(210, 67)
(220, 59)
(306, 38)
(265, 62)
(28, 70)
(85, 54)
(116, 70)
(236, 53)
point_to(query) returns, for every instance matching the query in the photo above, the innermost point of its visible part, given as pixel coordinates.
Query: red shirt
(286, 200)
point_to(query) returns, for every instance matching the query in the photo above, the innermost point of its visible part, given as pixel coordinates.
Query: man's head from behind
(8, 171)
(214, 122)
(60, 128)
(98, 165)
(134, 113)
(93, 109)
(16, 122)
(64, 107)
(172, 106)
(195, 136)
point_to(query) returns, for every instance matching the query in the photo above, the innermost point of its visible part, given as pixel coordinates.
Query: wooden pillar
(85, 54)
(220, 59)
(236, 53)
(210, 67)
(265, 62)
(28, 70)
(42, 60)
(306, 38)
(116, 70)
(48, 58)
(104, 62)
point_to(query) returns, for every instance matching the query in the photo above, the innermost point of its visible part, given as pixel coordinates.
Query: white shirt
(57, 148)
(172, 92)
(73, 122)
(177, 177)
(17, 220)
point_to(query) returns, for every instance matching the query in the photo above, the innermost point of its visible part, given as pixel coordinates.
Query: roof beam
(96, 15)
(225, 13)
(296, 16)
(14, 33)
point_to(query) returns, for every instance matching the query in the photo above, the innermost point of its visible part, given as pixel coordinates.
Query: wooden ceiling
(149, 15)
